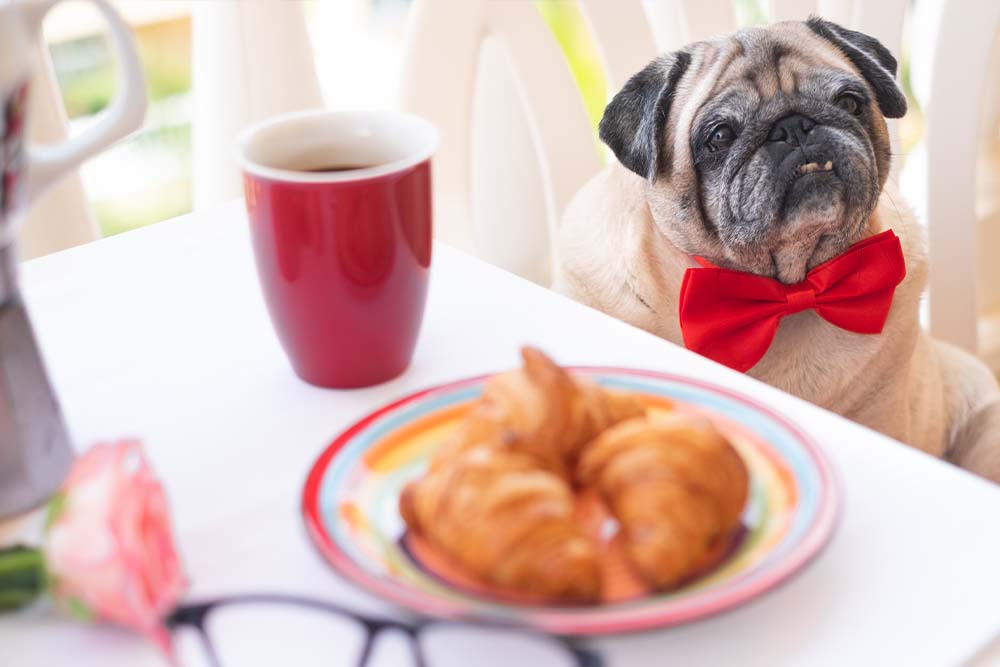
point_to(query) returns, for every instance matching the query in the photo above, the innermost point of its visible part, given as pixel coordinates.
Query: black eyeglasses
(271, 629)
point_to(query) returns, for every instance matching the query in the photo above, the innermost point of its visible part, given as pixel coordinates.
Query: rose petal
(112, 546)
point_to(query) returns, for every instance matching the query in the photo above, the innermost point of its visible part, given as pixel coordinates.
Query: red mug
(340, 219)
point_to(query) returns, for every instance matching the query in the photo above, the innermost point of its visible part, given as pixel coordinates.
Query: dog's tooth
(808, 168)
(828, 166)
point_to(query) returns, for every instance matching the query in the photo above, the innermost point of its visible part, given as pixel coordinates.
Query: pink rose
(110, 548)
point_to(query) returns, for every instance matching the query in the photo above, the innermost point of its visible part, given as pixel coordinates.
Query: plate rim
(562, 620)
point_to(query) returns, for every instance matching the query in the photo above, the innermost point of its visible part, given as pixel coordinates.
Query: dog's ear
(871, 58)
(636, 118)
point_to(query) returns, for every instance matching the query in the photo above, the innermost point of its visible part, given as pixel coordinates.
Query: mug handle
(46, 164)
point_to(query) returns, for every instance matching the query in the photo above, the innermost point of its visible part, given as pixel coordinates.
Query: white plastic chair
(516, 141)
(959, 91)
(250, 60)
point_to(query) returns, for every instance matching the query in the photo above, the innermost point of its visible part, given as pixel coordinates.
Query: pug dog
(766, 152)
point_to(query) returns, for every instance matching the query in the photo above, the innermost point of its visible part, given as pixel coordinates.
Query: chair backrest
(962, 116)
(250, 60)
(516, 139)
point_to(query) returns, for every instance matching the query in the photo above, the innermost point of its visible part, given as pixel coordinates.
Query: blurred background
(214, 67)
(148, 178)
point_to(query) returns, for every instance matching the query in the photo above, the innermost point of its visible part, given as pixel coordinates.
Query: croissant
(676, 487)
(503, 518)
(542, 411)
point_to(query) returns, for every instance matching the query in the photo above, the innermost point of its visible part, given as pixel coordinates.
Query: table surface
(161, 333)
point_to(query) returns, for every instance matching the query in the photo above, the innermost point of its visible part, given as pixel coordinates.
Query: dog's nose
(792, 129)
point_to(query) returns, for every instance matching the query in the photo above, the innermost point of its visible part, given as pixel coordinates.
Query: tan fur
(901, 382)
(620, 251)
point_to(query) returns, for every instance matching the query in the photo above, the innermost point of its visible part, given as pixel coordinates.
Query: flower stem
(22, 576)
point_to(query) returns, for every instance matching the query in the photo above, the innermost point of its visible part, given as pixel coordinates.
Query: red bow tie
(732, 317)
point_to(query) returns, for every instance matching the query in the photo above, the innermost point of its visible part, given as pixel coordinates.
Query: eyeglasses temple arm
(585, 657)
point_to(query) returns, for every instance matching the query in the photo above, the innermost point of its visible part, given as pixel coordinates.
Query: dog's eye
(850, 104)
(721, 137)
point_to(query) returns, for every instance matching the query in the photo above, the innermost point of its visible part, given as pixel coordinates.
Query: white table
(162, 333)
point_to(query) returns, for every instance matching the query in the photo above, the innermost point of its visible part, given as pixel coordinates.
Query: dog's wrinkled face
(785, 169)
(765, 151)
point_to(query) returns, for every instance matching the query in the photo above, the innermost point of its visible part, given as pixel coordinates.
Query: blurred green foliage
(87, 78)
(162, 150)
(168, 195)
(168, 200)
(91, 90)
(570, 30)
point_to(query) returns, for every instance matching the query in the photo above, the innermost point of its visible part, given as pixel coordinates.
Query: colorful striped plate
(351, 497)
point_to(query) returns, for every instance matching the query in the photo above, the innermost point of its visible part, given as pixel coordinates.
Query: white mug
(26, 172)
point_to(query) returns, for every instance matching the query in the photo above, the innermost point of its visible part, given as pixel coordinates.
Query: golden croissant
(542, 411)
(676, 487)
(505, 519)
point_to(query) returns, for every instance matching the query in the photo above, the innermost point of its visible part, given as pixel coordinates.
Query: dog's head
(766, 150)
